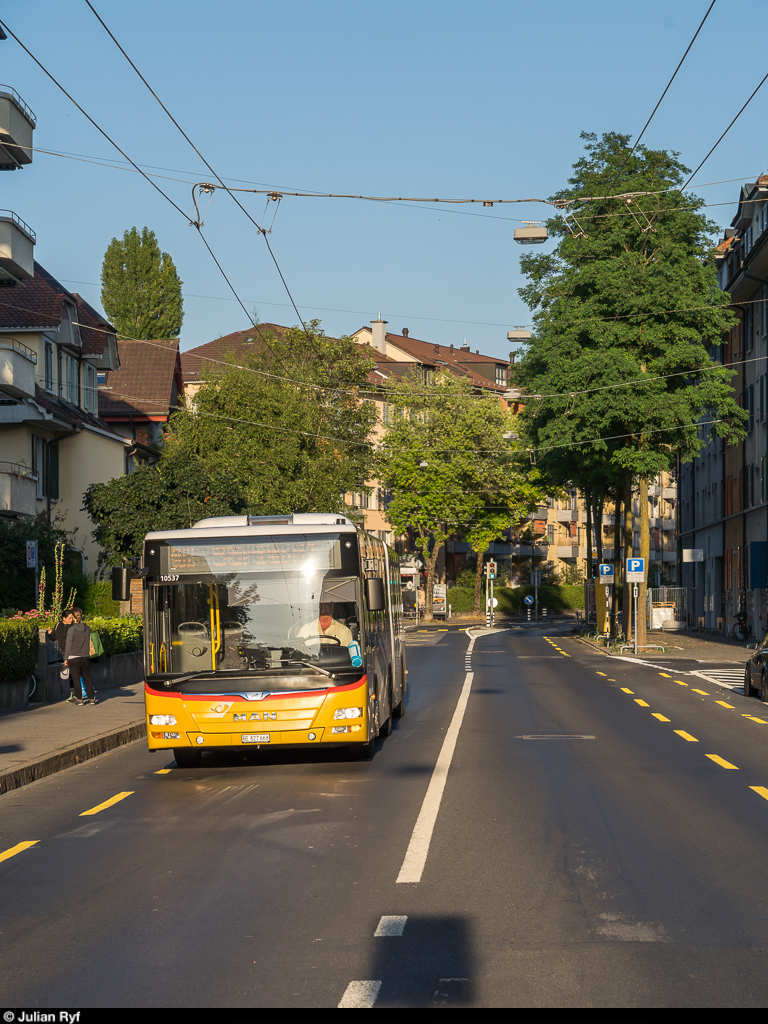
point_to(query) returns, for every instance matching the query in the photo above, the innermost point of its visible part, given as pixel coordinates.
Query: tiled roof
(434, 356)
(69, 413)
(36, 303)
(39, 304)
(195, 360)
(145, 384)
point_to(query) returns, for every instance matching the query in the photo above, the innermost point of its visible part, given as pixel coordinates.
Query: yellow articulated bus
(271, 631)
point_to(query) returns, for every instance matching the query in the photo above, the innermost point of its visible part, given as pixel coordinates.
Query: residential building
(53, 444)
(137, 400)
(724, 516)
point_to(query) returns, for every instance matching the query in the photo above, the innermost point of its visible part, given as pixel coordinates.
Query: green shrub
(19, 646)
(118, 635)
(550, 597)
(461, 599)
(97, 599)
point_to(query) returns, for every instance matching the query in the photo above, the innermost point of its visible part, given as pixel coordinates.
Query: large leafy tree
(449, 466)
(625, 309)
(140, 289)
(288, 430)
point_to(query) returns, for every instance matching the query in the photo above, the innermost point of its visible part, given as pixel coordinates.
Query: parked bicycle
(740, 629)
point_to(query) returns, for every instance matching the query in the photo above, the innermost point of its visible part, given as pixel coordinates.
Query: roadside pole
(634, 574)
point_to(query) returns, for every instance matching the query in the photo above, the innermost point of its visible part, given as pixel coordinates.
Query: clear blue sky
(422, 98)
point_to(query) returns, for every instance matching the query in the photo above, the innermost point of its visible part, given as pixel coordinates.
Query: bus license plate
(257, 737)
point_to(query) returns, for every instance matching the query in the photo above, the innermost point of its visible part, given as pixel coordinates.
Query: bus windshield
(253, 621)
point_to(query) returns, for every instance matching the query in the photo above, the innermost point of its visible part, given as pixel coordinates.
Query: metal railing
(11, 94)
(14, 218)
(11, 344)
(17, 469)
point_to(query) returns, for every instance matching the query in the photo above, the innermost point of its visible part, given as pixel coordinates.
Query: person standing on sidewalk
(77, 656)
(59, 634)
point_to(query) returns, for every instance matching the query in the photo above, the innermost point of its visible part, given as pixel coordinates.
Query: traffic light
(491, 570)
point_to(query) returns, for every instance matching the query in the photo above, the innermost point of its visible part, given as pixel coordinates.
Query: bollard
(543, 613)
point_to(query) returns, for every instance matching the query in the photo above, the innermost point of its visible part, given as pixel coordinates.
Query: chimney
(379, 340)
(465, 346)
(405, 332)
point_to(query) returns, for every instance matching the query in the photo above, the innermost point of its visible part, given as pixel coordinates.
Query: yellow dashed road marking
(661, 718)
(721, 762)
(18, 848)
(107, 803)
(686, 736)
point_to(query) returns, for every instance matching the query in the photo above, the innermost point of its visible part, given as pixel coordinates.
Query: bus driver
(326, 625)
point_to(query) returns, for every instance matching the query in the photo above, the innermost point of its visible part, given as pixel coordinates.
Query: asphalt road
(544, 827)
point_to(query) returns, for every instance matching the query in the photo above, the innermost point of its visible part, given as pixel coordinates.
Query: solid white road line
(418, 848)
(391, 925)
(360, 995)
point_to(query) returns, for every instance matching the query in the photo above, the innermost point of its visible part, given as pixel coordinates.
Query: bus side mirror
(121, 584)
(374, 594)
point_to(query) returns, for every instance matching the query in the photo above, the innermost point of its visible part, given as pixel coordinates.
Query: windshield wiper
(310, 664)
(210, 674)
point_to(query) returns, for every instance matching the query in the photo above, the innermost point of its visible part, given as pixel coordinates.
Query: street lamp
(533, 233)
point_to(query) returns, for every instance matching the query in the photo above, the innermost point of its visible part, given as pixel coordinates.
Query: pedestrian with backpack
(77, 657)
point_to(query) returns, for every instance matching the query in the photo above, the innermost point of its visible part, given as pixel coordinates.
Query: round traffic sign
(528, 599)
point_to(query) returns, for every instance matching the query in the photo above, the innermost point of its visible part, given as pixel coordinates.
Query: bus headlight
(162, 720)
(348, 713)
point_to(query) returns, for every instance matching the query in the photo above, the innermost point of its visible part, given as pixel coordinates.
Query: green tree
(18, 586)
(140, 289)
(449, 467)
(625, 309)
(256, 438)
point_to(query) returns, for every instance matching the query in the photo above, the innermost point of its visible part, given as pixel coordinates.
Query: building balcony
(668, 524)
(17, 122)
(567, 515)
(669, 493)
(18, 489)
(17, 241)
(567, 551)
(669, 556)
(654, 490)
(17, 369)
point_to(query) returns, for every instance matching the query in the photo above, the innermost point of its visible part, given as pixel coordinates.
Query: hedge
(552, 596)
(117, 635)
(19, 641)
(461, 599)
(19, 645)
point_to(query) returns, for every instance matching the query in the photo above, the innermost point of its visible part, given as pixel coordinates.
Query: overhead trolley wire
(131, 162)
(261, 231)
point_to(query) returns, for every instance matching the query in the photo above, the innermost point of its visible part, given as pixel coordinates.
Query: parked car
(756, 672)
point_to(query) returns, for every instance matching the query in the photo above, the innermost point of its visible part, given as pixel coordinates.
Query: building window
(501, 376)
(45, 465)
(49, 366)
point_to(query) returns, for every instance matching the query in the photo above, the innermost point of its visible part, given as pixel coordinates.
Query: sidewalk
(709, 647)
(42, 740)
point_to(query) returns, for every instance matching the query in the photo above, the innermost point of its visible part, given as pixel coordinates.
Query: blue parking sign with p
(606, 574)
(635, 570)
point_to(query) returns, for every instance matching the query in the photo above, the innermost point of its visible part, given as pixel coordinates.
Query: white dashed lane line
(391, 925)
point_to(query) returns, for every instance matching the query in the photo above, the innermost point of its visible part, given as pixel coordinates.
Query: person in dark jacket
(77, 656)
(59, 634)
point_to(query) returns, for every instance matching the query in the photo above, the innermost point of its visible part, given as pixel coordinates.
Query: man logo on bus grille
(255, 716)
